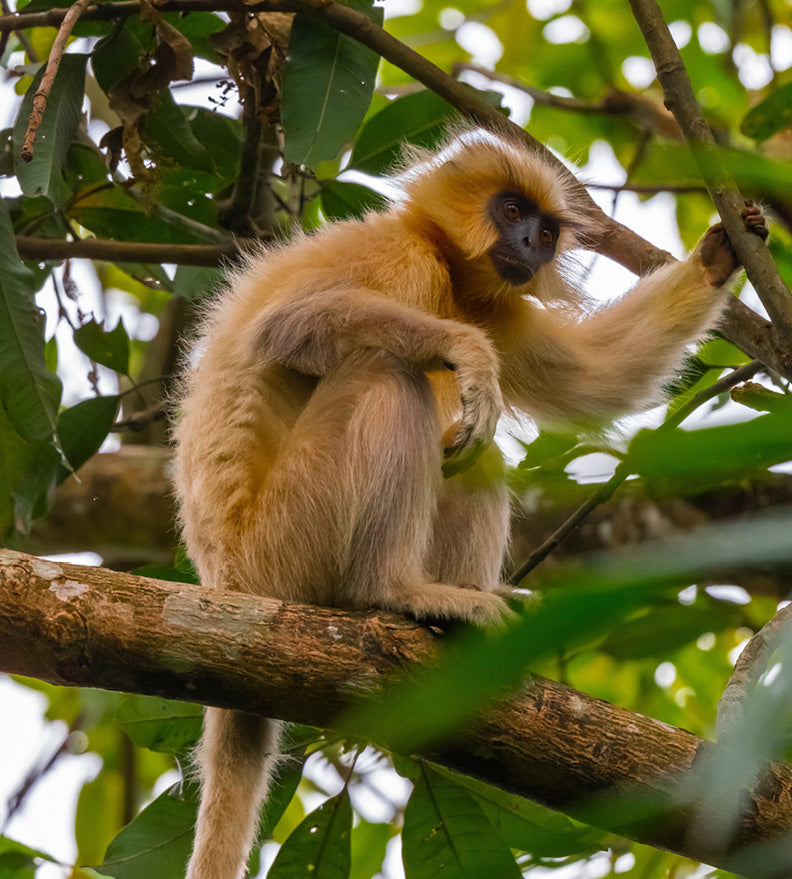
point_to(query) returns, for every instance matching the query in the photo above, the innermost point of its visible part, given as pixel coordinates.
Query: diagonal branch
(76, 625)
(681, 101)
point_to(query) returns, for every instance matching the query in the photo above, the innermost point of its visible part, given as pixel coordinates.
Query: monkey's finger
(754, 219)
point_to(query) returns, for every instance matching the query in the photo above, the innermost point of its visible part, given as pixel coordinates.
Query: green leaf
(545, 447)
(111, 348)
(343, 201)
(772, 115)
(83, 428)
(196, 282)
(369, 845)
(528, 826)
(659, 630)
(112, 213)
(327, 87)
(18, 861)
(29, 392)
(157, 843)
(160, 724)
(421, 118)
(169, 134)
(690, 459)
(43, 175)
(446, 834)
(320, 845)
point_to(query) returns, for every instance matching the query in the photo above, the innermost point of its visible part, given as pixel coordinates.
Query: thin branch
(129, 251)
(642, 112)
(606, 491)
(41, 97)
(681, 101)
(24, 41)
(749, 667)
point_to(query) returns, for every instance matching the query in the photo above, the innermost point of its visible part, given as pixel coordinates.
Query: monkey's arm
(616, 359)
(315, 332)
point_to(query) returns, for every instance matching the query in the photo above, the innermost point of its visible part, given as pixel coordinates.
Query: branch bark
(74, 625)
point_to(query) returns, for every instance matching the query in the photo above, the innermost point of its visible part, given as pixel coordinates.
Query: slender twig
(23, 38)
(642, 112)
(647, 189)
(681, 101)
(129, 251)
(41, 97)
(606, 491)
(237, 214)
(749, 667)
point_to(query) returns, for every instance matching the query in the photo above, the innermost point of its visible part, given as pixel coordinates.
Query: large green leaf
(83, 428)
(690, 459)
(43, 175)
(770, 116)
(160, 724)
(29, 392)
(421, 118)
(108, 347)
(344, 201)
(320, 845)
(157, 843)
(327, 87)
(111, 213)
(447, 835)
(168, 133)
(528, 826)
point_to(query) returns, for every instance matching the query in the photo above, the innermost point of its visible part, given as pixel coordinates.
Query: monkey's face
(527, 237)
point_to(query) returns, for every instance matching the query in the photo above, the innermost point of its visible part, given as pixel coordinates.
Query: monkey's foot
(441, 602)
(716, 251)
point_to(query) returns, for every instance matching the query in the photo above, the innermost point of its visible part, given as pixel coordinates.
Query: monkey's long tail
(236, 756)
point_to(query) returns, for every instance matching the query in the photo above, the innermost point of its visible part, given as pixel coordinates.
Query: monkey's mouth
(512, 270)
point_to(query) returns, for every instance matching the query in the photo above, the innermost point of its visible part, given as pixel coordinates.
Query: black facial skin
(527, 240)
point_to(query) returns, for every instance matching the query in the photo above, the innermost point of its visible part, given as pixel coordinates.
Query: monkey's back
(237, 407)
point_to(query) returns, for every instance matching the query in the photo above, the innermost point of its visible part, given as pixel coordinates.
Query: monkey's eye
(511, 211)
(547, 236)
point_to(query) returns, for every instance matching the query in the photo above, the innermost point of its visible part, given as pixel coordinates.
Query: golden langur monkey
(348, 380)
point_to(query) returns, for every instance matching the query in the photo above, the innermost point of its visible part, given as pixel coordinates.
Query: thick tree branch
(748, 669)
(73, 625)
(122, 509)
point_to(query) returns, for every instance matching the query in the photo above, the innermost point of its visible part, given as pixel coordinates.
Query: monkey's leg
(235, 756)
(348, 512)
(471, 528)
(397, 460)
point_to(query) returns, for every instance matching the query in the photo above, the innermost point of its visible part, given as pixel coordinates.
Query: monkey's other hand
(716, 252)
(476, 369)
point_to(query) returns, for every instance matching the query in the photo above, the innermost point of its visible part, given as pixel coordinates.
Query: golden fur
(309, 448)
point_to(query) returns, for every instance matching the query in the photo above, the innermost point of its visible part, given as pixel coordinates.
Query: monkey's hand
(716, 252)
(476, 367)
